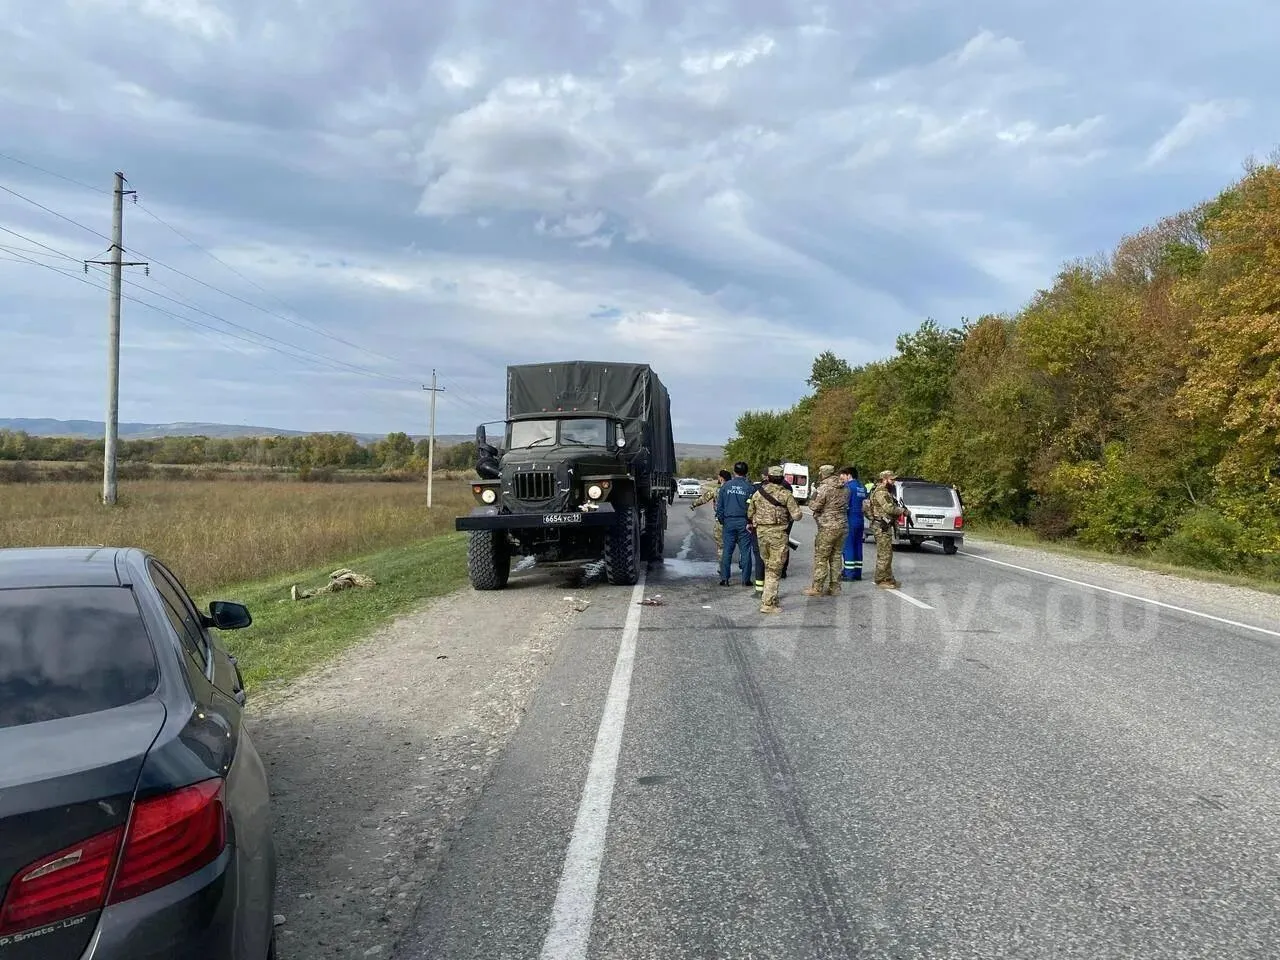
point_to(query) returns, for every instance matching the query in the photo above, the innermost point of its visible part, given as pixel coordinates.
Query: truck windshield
(593, 433)
(526, 433)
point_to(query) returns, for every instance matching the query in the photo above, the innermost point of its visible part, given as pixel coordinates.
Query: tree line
(1133, 406)
(396, 451)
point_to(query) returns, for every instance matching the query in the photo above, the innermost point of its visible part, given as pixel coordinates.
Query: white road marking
(1129, 596)
(919, 603)
(570, 930)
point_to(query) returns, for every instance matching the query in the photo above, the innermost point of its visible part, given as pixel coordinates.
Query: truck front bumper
(489, 518)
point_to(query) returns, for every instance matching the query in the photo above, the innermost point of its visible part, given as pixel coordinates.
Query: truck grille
(533, 486)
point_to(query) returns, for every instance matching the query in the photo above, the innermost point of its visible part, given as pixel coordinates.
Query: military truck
(586, 472)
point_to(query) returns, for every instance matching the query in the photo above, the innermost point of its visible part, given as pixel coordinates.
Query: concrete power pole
(431, 438)
(116, 263)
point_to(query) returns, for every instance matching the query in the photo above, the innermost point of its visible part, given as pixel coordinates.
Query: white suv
(934, 512)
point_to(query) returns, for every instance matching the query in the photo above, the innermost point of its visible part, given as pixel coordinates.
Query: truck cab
(585, 473)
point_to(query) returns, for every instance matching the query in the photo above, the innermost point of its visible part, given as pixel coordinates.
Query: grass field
(245, 541)
(214, 533)
(289, 638)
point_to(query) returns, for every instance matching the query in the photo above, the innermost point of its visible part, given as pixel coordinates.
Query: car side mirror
(226, 615)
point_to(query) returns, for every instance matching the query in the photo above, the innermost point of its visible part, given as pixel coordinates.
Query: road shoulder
(375, 757)
(1219, 599)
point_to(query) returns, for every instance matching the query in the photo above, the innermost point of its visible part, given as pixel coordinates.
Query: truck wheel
(655, 533)
(488, 559)
(622, 549)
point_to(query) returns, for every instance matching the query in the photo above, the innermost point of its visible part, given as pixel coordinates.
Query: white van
(797, 474)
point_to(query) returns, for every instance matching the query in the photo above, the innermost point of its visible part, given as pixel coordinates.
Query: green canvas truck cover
(631, 392)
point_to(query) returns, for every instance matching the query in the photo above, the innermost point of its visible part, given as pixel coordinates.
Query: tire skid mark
(836, 935)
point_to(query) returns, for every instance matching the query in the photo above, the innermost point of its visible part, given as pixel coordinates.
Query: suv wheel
(949, 546)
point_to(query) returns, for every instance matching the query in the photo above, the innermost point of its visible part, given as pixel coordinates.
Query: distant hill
(150, 431)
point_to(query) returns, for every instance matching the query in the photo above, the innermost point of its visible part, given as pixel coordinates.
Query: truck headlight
(489, 495)
(594, 492)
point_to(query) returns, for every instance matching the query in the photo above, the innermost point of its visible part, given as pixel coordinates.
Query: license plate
(929, 522)
(559, 518)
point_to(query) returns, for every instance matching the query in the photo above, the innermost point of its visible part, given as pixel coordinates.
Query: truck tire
(622, 549)
(488, 559)
(655, 531)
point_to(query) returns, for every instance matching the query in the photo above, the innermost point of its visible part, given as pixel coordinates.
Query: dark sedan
(134, 810)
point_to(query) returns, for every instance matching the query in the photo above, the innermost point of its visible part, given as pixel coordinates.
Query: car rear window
(70, 651)
(918, 495)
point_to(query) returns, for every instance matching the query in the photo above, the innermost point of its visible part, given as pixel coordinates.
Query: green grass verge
(1015, 536)
(289, 638)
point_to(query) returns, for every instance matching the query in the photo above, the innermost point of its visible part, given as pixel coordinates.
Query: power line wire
(28, 163)
(313, 328)
(331, 361)
(60, 216)
(157, 262)
(324, 361)
(195, 325)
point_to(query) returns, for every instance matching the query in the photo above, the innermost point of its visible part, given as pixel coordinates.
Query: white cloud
(741, 185)
(1198, 120)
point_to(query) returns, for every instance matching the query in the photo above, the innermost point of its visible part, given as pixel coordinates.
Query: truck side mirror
(482, 438)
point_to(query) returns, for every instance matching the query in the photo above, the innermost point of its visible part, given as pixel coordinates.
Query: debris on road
(654, 601)
(343, 579)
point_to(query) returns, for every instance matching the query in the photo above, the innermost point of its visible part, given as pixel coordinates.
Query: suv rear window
(927, 495)
(70, 651)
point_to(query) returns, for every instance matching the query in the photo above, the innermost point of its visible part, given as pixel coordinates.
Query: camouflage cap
(775, 473)
(826, 470)
(886, 474)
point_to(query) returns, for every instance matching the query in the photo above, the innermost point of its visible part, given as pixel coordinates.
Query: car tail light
(902, 520)
(168, 837)
(171, 836)
(65, 884)
(959, 522)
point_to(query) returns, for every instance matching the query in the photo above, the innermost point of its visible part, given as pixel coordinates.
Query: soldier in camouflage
(883, 510)
(830, 508)
(708, 495)
(769, 511)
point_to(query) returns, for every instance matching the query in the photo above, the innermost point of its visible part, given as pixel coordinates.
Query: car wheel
(949, 547)
(271, 948)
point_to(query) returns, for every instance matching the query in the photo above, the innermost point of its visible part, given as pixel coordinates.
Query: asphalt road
(991, 763)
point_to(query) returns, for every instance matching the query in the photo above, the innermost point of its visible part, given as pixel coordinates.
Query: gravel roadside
(1219, 599)
(374, 758)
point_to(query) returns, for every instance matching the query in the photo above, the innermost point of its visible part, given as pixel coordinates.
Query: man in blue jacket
(731, 511)
(853, 542)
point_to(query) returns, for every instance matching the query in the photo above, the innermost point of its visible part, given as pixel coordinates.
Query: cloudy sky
(721, 189)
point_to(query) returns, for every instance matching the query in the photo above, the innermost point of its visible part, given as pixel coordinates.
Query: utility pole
(116, 263)
(431, 438)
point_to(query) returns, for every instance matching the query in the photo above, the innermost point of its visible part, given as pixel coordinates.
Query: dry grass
(216, 533)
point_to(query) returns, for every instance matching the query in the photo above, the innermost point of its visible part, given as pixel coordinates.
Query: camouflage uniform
(708, 495)
(883, 507)
(770, 523)
(830, 508)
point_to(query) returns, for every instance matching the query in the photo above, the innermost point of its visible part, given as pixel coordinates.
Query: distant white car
(797, 474)
(688, 487)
